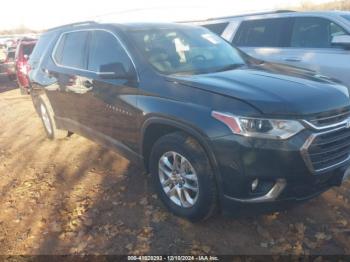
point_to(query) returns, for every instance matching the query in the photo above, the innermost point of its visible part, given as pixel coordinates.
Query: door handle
(292, 59)
(88, 84)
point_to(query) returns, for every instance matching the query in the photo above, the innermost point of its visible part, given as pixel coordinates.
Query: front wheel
(183, 176)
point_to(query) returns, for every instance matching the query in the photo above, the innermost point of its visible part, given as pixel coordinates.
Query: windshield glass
(347, 17)
(186, 51)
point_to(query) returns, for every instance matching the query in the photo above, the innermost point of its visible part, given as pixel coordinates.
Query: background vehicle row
(319, 41)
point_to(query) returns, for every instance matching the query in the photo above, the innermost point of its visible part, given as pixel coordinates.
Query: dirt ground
(73, 196)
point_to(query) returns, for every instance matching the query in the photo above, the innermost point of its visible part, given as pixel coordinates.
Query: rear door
(311, 47)
(68, 70)
(264, 38)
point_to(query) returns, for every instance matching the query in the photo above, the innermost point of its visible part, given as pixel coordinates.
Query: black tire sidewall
(198, 159)
(49, 135)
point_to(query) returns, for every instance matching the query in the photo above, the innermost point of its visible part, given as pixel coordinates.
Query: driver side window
(106, 51)
(314, 32)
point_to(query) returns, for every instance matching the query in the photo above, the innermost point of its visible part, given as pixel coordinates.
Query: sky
(43, 14)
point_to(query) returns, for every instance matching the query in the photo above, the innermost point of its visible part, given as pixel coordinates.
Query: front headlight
(258, 127)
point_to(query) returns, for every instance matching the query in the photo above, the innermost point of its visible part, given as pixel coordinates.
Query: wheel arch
(169, 126)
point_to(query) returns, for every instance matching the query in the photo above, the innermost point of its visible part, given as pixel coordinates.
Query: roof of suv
(123, 26)
(273, 14)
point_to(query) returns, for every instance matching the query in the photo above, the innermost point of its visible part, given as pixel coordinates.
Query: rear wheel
(183, 177)
(23, 91)
(47, 117)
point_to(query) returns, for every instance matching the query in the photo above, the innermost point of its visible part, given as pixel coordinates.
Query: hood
(274, 89)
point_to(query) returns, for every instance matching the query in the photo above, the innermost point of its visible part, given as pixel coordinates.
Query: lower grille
(329, 149)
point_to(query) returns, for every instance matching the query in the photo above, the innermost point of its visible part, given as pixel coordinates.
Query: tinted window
(40, 48)
(11, 55)
(59, 50)
(216, 28)
(314, 32)
(28, 49)
(72, 49)
(106, 50)
(262, 33)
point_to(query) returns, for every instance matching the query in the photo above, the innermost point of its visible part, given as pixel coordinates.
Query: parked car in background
(23, 52)
(319, 41)
(213, 126)
(9, 64)
(3, 42)
(11, 43)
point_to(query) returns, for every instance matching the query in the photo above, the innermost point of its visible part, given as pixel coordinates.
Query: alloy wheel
(178, 179)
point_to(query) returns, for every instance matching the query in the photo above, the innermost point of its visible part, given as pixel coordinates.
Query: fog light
(255, 184)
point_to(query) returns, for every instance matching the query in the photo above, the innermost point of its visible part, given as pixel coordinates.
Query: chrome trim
(329, 117)
(270, 196)
(342, 123)
(87, 30)
(305, 154)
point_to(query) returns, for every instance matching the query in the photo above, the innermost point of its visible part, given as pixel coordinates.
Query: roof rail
(241, 15)
(72, 25)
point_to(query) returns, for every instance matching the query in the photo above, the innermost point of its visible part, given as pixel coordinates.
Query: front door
(109, 107)
(311, 47)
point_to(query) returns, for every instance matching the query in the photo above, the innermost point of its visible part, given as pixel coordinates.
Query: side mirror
(114, 71)
(342, 41)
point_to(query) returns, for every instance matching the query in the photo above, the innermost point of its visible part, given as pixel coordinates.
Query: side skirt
(106, 141)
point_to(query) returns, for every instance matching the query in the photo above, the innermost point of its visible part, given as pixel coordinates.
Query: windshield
(186, 51)
(347, 17)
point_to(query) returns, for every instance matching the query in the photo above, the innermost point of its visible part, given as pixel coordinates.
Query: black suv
(213, 126)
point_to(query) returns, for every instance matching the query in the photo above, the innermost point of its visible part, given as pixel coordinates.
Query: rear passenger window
(71, 50)
(314, 32)
(263, 33)
(106, 51)
(217, 28)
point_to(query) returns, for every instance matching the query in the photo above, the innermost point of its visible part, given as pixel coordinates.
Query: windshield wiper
(229, 67)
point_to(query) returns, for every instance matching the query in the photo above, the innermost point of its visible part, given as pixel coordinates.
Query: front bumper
(279, 166)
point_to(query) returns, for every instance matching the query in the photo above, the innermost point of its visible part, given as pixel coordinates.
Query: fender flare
(200, 136)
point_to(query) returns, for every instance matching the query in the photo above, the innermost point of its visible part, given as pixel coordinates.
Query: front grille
(330, 118)
(329, 149)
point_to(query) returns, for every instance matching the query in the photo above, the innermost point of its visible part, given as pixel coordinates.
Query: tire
(45, 111)
(23, 91)
(12, 77)
(187, 150)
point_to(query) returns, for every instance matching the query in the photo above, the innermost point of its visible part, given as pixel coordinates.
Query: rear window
(39, 49)
(71, 50)
(11, 55)
(217, 28)
(28, 49)
(262, 33)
